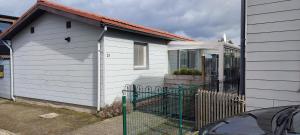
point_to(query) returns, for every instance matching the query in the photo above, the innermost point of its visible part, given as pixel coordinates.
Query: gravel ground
(112, 126)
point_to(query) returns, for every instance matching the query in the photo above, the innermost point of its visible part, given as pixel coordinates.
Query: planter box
(175, 80)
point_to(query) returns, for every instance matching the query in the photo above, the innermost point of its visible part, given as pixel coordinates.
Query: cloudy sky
(198, 19)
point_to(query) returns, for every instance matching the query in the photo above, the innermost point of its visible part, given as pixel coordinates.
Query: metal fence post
(180, 109)
(135, 94)
(165, 101)
(124, 114)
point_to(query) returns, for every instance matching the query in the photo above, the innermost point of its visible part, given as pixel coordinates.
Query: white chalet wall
(272, 53)
(119, 68)
(49, 68)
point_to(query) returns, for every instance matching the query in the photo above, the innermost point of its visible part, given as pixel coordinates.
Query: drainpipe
(8, 45)
(100, 52)
(243, 41)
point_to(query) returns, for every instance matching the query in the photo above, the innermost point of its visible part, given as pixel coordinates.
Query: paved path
(112, 126)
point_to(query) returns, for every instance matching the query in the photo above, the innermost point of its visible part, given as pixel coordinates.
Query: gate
(158, 110)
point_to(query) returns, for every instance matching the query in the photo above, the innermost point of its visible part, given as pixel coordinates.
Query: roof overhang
(42, 7)
(7, 19)
(192, 45)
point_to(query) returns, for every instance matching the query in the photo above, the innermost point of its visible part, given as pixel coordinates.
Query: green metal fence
(158, 110)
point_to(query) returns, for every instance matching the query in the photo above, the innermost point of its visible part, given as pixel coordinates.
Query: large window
(140, 55)
(189, 59)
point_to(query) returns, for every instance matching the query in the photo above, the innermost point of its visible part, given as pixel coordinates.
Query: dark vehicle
(269, 121)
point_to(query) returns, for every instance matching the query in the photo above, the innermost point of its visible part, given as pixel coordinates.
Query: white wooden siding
(5, 82)
(119, 69)
(49, 68)
(272, 53)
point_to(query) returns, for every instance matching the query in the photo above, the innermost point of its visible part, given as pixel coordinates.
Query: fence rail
(213, 106)
(159, 110)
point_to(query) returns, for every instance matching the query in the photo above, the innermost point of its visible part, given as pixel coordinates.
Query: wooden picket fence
(213, 106)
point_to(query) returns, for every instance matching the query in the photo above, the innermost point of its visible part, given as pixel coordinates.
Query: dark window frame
(32, 30)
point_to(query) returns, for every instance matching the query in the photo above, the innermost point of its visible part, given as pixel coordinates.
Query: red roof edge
(102, 19)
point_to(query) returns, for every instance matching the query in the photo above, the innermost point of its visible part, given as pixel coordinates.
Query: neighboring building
(217, 61)
(56, 58)
(4, 76)
(272, 53)
(5, 23)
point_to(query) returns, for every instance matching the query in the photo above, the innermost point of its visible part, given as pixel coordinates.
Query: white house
(66, 55)
(272, 53)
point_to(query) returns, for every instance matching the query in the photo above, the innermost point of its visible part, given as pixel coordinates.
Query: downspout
(8, 45)
(243, 40)
(100, 52)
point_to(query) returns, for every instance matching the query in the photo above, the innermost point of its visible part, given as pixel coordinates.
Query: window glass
(173, 60)
(140, 55)
(192, 59)
(183, 58)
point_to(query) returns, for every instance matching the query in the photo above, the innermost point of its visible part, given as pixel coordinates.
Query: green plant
(184, 71)
(176, 72)
(187, 71)
(190, 72)
(197, 72)
(113, 110)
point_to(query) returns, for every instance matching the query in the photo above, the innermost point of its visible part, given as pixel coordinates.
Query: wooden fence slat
(204, 108)
(213, 106)
(200, 109)
(196, 111)
(218, 107)
(214, 110)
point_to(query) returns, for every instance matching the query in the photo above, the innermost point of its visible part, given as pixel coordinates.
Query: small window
(32, 30)
(68, 24)
(140, 55)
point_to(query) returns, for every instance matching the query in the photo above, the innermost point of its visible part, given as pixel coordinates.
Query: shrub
(176, 72)
(187, 71)
(183, 71)
(197, 72)
(113, 110)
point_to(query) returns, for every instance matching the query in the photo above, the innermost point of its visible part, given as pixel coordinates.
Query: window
(189, 59)
(68, 24)
(32, 30)
(140, 55)
(183, 59)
